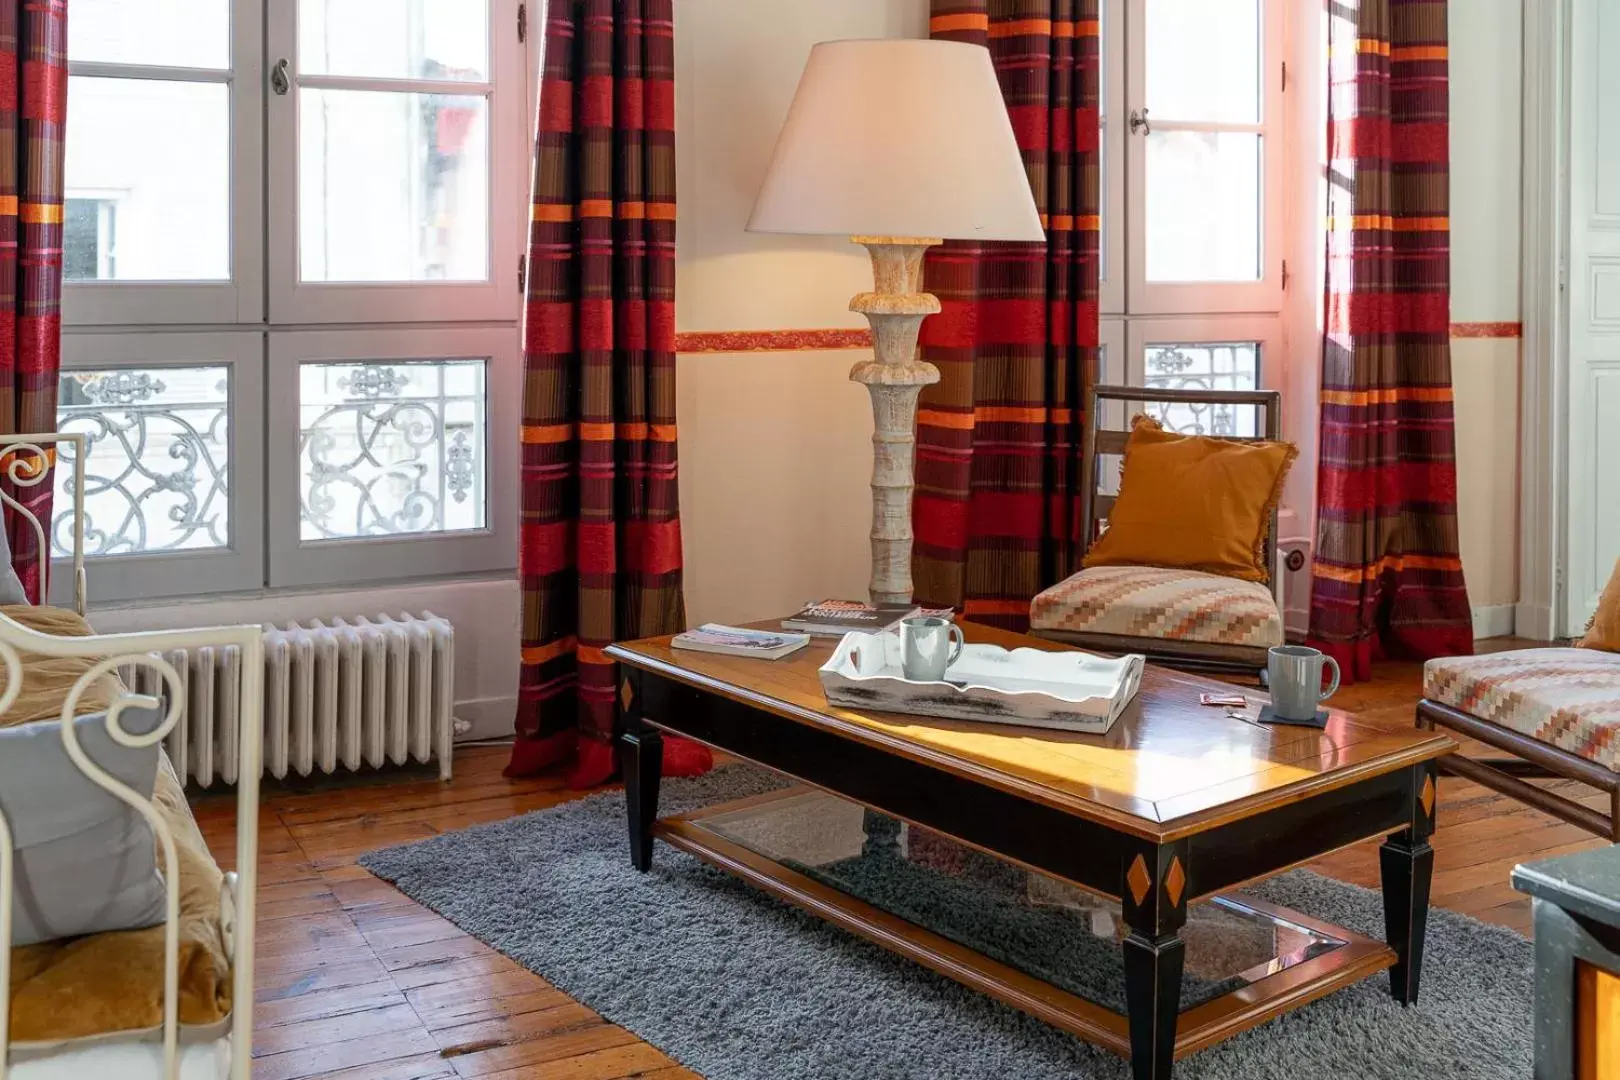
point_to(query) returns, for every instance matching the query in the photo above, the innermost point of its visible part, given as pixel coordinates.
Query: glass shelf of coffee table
(1031, 937)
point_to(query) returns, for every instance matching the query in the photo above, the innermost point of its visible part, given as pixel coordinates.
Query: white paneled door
(1593, 537)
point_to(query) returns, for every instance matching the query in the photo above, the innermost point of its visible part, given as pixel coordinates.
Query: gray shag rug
(737, 986)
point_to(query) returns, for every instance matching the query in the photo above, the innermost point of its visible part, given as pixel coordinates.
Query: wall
(775, 457)
(1486, 165)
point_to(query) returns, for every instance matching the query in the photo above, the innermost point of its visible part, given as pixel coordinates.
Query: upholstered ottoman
(1557, 711)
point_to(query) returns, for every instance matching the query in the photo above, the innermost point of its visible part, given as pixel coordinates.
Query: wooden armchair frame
(1096, 505)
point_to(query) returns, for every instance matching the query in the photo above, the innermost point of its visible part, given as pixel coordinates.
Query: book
(737, 641)
(835, 618)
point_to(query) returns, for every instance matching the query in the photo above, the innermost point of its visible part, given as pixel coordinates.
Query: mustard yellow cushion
(1194, 502)
(1603, 632)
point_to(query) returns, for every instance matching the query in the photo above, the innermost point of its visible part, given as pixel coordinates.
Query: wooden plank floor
(356, 981)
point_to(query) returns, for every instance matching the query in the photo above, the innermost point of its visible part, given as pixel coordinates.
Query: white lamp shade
(898, 138)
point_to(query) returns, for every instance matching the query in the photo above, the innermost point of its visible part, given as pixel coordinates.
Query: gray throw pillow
(84, 861)
(11, 589)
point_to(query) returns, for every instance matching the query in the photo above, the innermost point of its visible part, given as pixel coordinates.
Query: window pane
(159, 462)
(391, 448)
(393, 187)
(168, 33)
(395, 39)
(1204, 366)
(1203, 206)
(138, 210)
(1203, 60)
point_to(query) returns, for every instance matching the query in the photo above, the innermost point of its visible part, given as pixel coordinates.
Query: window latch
(1139, 122)
(278, 78)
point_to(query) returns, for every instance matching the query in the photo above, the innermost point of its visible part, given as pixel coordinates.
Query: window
(392, 448)
(395, 133)
(1194, 205)
(89, 229)
(173, 475)
(382, 153)
(391, 436)
(157, 468)
(162, 162)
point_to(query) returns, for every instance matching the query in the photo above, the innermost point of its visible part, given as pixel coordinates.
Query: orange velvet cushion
(1604, 630)
(1194, 502)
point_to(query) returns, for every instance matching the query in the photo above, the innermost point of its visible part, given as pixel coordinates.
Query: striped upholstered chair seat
(1567, 698)
(1153, 610)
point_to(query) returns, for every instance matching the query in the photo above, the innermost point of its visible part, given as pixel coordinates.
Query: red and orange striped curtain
(600, 556)
(1388, 579)
(33, 115)
(997, 507)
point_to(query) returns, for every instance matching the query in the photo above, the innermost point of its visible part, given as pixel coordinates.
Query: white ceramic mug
(1294, 675)
(928, 645)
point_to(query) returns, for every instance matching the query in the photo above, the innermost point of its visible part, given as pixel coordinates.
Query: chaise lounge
(1557, 711)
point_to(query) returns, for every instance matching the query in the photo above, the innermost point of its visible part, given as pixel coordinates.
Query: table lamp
(900, 145)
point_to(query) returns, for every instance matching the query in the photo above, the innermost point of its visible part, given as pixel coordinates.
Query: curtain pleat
(1387, 578)
(600, 557)
(33, 116)
(996, 513)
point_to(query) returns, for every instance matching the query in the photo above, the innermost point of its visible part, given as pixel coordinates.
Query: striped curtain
(998, 440)
(600, 555)
(33, 112)
(1387, 577)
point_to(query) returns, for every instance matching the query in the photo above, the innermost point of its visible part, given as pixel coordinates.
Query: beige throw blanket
(113, 982)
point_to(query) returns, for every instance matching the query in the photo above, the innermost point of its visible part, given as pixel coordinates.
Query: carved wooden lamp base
(894, 377)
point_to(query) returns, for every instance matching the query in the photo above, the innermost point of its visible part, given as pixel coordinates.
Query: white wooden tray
(1071, 691)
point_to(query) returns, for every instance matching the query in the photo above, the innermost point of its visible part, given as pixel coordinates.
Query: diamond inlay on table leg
(1175, 880)
(1139, 880)
(1426, 796)
(626, 695)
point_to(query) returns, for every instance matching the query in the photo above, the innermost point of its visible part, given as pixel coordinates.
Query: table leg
(1154, 906)
(642, 762)
(1153, 1001)
(1406, 864)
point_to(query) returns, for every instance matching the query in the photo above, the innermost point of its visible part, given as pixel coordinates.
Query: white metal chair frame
(26, 462)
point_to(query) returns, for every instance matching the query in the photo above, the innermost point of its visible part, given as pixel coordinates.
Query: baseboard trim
(1534, 621)
(487, 718)
(1494, 620)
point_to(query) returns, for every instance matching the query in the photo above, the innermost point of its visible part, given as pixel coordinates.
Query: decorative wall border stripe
(762, 341)
(748, 341)
(1487, 330)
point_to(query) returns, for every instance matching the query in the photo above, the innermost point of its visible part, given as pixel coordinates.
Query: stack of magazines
(738, 641)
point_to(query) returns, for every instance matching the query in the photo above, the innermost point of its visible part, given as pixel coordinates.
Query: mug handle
(1333, 688)
(960, 643)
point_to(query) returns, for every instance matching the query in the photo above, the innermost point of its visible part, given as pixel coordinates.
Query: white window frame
(178, 303)
(1111, 179)
(210, 570)
(294, 302)
(1112, 338)
(1144, 297)
(298, 562)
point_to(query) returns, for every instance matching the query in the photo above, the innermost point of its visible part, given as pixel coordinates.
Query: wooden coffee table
(1177, 805)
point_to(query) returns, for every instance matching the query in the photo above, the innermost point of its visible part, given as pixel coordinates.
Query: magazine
(737, 641)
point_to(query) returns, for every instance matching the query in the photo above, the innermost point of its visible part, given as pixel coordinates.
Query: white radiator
(340, 695)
